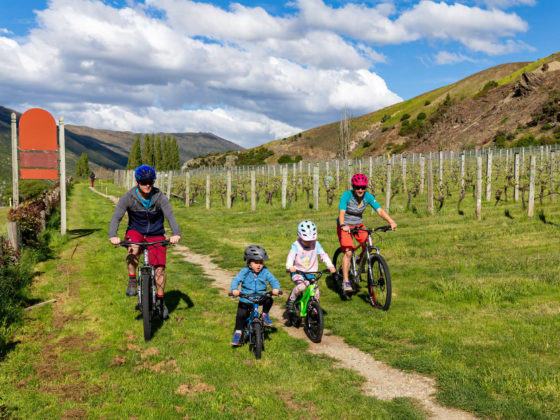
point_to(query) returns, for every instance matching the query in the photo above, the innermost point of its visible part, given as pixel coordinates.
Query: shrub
(298, 158)
(427, 103)
(421, 116)
(366, 144)
(385, 118)
(285, 159)
(500, 139)
(488, 86)
(405, 116)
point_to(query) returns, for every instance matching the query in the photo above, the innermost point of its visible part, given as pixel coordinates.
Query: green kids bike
(307, 310)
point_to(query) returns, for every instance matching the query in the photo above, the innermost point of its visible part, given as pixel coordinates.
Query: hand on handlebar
(332, 269)
(115, 240)
(275, 292)
(235, 292)
(292, 269)
(174, 239)
(345, 228)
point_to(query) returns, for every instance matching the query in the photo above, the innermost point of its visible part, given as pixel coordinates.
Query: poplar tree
(135, 156)
(82, 166)
(148, 151)
(175, 160)
(158, 155)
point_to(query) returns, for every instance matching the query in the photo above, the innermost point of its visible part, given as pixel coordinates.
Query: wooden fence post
(62, 154)
(430, 185)
(316, 188)
(208, 192)
(422, 164)
(403, 163)
(14, 235)
(489, 176)
(228, 190)
(532, 171)
(187, 189)
(169, 183)
(516, 177)
(462, 170)
(284, 171)
(253, 191)
(15, 169)
(388, 188)
(337, 174)
(479, 187)
(552, 174)
(440, 168)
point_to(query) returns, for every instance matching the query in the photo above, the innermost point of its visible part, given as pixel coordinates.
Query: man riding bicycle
(352, 205)
(146, 207)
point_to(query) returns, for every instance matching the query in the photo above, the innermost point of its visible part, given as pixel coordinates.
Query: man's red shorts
(156, 252)
(345, 238)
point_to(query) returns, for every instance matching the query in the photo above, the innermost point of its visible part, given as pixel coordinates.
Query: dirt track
(382, 381)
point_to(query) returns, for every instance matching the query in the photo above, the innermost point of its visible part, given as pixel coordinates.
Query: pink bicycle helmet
(359, 180)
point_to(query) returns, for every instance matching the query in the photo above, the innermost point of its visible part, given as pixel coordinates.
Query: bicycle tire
(258, 339)
(314, 324)
(146, 306)
(379, 283)
(338, 266)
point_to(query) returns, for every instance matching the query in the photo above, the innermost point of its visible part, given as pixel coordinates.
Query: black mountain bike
(146, 284)
(369, 267)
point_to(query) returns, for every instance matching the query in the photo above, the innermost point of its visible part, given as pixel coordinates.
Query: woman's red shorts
(156, 253)
(345, 238)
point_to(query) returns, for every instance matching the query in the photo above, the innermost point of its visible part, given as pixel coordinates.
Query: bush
(285, 159)
(427, 103)
(500, 139)
(421, 116)
(488, 86)
(385, 118)
(366, 144)
(405, 117)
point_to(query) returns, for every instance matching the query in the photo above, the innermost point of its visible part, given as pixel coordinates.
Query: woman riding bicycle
(352, 205)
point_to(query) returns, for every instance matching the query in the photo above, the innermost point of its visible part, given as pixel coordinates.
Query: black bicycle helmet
(255, 253)
(145, 173)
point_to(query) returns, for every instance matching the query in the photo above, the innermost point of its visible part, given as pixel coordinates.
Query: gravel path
(382, 381)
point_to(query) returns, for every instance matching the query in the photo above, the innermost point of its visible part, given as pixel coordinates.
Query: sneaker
(162, 309)
(132, 288)
(236, 339)
(267, 321)
(346, 286)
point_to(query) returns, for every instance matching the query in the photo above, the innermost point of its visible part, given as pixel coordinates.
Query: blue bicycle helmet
(144, 173)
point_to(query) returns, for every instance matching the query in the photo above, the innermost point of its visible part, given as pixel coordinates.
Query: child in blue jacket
(253, 279)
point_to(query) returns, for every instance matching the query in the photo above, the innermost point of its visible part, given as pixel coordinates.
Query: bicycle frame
(307, 295)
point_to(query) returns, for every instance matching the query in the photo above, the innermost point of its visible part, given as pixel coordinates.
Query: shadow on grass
(542, 218)
(508, 214)
(335, 285)
(80, 233)
(4, 350)
(174, 297)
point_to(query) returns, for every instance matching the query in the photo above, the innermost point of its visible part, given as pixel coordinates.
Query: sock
(132, 277)
(160, 296)
(238, 331)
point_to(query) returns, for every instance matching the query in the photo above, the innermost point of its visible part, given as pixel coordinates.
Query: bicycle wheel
(337, 262)
(379, 283)
(146, 305)
(258, 339)
(314, 322)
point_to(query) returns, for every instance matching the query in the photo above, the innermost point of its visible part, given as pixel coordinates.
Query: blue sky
(252, 71)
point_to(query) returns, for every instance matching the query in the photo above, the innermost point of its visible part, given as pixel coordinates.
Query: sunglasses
(146, 183)
(360, 188)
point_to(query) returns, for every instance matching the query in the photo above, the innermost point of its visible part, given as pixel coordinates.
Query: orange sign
(37, 130)
(37, 142)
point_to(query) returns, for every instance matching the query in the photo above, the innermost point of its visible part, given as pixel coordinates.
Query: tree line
(160, 153)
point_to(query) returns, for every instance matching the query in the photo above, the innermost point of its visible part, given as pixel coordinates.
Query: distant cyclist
(352, 205)
(146, 207)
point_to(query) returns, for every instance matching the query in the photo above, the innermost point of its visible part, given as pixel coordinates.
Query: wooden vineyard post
(462, 170)
(337, 174)
(552, 173)
(422, 164)
(370, 173)
(479, 187)
(284, 171)
(316, 188)
(228, 190)
(489, 176)
(15, 169)
(516, 177)
(294, 181)
(532, 171)
(388, 188)
(349, 174)
(430, 185)
(187, 189)
(253, 191)
(440, 168)
(403, 163)
(208, 192)
(14, 235)
(169, 183)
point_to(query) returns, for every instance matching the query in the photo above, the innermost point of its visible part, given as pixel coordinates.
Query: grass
(84, 356)
(475, 303)
(3, 220)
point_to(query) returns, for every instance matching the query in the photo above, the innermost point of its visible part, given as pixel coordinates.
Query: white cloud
(506, 4)
(445, 57)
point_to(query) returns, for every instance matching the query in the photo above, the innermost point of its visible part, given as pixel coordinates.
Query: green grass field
(3, 219)
(475, 305)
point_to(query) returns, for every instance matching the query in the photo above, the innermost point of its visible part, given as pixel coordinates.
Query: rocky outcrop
(528, 83)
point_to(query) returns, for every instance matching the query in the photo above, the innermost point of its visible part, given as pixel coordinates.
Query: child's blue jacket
(252, 285)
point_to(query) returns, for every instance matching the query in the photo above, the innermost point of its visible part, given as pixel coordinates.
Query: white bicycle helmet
(307, 230)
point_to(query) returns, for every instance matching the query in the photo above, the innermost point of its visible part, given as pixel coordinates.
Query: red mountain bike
(369, 267)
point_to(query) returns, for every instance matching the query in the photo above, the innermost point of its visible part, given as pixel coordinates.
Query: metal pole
(62, 147)
(15, 169)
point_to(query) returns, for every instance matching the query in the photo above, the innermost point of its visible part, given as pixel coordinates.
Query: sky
(252, 71)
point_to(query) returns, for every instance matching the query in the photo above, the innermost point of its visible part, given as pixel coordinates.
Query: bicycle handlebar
(126, 244)
(254, 297)
(370, 230)
(312, 273)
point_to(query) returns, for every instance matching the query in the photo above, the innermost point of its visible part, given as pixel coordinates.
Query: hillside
(509, 102)
(107, 148)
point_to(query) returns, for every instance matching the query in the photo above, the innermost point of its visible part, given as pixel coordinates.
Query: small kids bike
(253, 328)
(146, 285)
(307, 308)
(369, 266)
